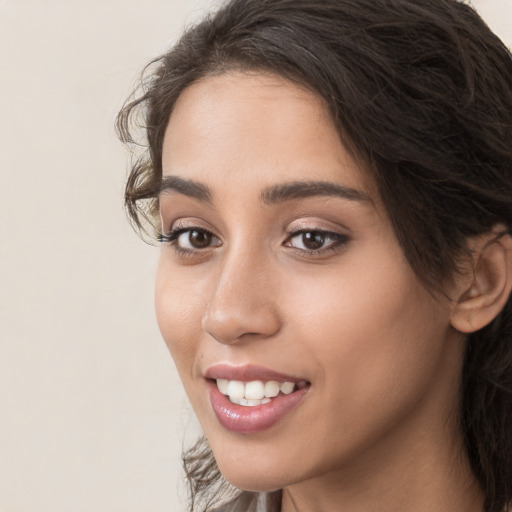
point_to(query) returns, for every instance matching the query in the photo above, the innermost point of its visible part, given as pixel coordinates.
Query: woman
(331, 181)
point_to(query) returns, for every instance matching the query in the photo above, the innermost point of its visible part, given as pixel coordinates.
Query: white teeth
(252, 403)
(272, 388)
(255, 392)
(236, 389)
(223, 384)
(287, 387)
(249, 403)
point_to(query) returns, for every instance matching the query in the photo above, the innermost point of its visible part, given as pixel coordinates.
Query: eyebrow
(188, 188)
(303, 189)
(272, 195)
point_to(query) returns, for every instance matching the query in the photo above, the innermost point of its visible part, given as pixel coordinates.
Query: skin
(378, 427)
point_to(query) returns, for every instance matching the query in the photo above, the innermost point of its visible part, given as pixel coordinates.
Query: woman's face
(280, 265)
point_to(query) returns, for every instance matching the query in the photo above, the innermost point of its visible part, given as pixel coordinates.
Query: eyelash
(171, 238)
(338, 240)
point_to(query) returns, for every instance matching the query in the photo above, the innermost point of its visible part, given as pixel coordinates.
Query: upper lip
(247, 373)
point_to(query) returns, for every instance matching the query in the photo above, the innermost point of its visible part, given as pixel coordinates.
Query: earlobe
(490, 283)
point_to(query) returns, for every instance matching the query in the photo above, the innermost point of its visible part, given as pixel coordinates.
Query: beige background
(92, 416)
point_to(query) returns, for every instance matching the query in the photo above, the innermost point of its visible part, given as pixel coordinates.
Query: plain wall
(92, 416)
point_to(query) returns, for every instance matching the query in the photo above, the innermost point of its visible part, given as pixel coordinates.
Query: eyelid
(184, 224)
(322, 219)
(324, 232)
(174, 233)
(322, 226)
(332, 243)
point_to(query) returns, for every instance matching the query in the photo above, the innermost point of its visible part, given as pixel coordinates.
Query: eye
(315, 240)
(190, 239)
(194, 239)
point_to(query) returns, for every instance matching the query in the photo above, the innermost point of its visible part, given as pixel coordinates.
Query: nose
(242, 304)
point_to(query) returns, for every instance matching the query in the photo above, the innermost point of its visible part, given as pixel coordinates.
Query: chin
(252, 473)
(254, 481)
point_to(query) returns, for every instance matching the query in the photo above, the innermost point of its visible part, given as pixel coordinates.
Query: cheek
(374, 351)
(179, 314)
(370, 326)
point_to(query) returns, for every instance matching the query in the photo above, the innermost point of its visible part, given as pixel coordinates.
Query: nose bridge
(242, 301)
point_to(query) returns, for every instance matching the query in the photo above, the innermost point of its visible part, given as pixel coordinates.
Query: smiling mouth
(254, 399)
(256, 392)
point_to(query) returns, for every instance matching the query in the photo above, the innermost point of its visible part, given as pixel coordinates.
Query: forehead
(252, 128)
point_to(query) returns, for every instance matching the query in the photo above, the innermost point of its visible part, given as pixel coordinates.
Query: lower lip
(250, 420)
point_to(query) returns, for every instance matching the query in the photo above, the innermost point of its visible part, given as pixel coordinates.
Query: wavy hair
(421, 92)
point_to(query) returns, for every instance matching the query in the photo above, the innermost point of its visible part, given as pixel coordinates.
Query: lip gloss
(246, 420)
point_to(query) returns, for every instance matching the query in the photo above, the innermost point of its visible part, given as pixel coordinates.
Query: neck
(428, 473)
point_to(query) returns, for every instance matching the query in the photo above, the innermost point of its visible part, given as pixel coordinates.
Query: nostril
(238, 323)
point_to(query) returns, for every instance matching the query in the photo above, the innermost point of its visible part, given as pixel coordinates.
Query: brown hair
(421, 91)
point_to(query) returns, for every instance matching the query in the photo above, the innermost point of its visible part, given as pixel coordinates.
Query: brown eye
(194, 239)
(313, 240)
(199, 239)
(316, 241)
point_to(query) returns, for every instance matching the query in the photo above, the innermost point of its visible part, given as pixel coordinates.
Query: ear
(485, 287)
